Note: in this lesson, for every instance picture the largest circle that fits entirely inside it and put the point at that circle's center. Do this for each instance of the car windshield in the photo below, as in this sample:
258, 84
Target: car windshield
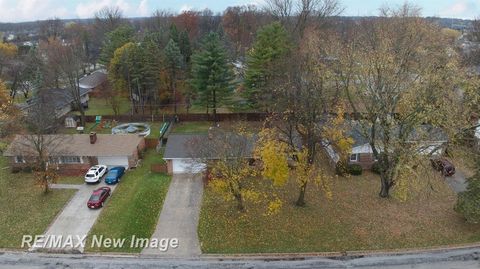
112, 173
90, 175
95, 197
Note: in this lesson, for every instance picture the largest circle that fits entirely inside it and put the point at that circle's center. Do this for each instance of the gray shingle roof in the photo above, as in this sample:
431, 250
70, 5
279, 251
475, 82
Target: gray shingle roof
422, 133
107, 145
186, 146
93, 80
58, 97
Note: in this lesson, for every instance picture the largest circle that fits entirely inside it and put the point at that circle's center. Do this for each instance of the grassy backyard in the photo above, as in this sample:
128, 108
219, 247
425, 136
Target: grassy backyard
25, 209
98, 106
192, 127
356, 219
135, 205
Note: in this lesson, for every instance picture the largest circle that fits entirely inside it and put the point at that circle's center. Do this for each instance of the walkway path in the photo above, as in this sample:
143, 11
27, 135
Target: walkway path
458, 181
179, 217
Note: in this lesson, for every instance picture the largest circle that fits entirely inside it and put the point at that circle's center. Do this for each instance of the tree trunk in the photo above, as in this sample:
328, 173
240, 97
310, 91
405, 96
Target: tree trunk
301, 196
240, 205
214, 107
385, 188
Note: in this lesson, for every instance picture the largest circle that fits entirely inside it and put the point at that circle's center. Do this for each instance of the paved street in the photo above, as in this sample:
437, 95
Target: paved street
451, 259
75, 219
179, 216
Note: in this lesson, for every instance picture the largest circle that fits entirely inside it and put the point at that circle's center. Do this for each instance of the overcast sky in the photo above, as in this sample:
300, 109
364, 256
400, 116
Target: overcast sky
31, 10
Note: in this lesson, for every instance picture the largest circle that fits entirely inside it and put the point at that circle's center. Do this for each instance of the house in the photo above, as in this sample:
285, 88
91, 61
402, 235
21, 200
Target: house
427, 140
61, 99
189, 153
75, 154
94, 82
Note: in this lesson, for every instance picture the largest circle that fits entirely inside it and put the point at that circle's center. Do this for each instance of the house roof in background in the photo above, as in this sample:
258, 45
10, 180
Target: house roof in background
422, 133
93, 80
107, 145
56, 96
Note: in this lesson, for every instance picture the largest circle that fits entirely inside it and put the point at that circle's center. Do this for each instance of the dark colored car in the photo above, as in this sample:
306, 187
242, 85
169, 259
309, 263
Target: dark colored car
114, 175
98, 197
444, 166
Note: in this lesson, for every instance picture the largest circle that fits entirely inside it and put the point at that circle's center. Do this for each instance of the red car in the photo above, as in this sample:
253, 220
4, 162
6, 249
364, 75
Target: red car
444, 166
98, 197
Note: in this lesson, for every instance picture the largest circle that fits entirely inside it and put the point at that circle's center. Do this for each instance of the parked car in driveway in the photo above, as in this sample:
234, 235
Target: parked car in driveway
95, 173
444, 166
98, 197
114, 174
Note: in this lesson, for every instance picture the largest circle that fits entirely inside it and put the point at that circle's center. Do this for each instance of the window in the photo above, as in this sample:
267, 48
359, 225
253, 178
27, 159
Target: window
70, 159
19, 159
354, 157
53, 160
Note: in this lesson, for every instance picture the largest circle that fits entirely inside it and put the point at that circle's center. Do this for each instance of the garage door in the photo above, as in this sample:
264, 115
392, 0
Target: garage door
114, 161
187, 166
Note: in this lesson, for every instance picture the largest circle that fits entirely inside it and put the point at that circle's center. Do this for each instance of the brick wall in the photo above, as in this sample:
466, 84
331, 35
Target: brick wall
77, 169
366, 161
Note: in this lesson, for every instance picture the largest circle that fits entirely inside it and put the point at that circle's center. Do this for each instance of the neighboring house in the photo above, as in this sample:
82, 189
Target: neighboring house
188, 153
94, 82
75, 154
428, 140
61, 99
477, 135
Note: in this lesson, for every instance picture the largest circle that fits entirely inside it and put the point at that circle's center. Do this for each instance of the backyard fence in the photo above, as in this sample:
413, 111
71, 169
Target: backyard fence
183, 117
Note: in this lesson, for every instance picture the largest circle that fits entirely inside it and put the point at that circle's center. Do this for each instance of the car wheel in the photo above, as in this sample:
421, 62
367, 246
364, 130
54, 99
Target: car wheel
102, 204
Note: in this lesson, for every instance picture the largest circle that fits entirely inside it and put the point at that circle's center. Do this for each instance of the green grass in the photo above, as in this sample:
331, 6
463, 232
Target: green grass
25, 209
192, 127
356, 219
134, 207
98, 106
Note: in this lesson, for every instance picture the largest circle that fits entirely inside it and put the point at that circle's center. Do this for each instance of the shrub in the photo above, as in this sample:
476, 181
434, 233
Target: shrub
3, 146
341, 168
468, 202
376, 168
355, 169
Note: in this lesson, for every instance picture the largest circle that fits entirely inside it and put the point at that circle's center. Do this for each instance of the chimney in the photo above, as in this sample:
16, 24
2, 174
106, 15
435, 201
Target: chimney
93, 137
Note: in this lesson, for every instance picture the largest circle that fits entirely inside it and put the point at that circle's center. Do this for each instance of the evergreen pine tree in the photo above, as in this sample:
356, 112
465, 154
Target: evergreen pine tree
212, 76
173, 60
270, 46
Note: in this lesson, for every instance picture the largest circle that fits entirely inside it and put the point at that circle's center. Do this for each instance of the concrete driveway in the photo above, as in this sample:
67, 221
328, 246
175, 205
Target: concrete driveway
179, 217
458, 181
75, 220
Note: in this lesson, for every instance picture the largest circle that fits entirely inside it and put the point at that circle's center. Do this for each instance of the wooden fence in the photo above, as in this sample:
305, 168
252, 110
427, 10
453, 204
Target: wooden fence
158, 168
183, 117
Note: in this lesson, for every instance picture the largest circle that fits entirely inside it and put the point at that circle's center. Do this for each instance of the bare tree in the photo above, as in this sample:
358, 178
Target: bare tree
399, 73
71, 65
298, 15
305, 97
51, 29
40, 144
108, 19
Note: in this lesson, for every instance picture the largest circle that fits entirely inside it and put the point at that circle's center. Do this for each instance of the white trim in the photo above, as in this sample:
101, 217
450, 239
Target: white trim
17, 159
357, 157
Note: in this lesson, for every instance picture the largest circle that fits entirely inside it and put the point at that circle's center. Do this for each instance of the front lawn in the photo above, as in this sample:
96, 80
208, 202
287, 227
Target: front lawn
134, 207
356, 219
25, 209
